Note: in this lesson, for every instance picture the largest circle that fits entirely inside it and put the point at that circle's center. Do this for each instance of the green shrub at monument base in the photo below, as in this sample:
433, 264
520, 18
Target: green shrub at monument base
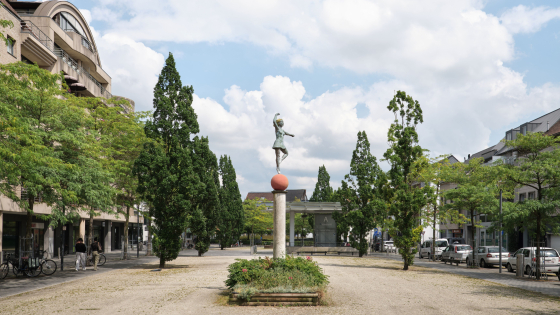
284, 275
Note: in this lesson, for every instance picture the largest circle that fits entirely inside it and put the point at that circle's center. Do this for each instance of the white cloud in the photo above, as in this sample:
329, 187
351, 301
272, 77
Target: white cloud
522, 19
325, 127
133, 67
449, 55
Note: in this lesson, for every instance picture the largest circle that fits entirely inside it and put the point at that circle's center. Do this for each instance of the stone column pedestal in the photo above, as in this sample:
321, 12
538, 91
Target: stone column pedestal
279, 249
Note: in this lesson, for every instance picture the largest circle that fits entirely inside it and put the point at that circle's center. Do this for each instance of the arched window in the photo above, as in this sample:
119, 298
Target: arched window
69, 23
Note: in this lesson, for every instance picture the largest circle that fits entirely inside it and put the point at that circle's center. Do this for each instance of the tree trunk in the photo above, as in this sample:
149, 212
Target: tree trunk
435, 222
90, 234
28, 242
538, 254
405, 264
161, 263
472, 236
126, 217
149, 240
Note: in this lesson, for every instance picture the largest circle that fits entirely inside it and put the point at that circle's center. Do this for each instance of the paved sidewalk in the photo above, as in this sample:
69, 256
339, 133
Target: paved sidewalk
12, 285
550, 287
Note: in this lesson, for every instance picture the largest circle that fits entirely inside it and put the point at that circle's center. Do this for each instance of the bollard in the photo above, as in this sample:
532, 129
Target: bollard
59, 253
520, 266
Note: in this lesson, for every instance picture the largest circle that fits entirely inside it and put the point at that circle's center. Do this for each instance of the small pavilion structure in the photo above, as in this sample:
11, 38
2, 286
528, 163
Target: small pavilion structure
324, 230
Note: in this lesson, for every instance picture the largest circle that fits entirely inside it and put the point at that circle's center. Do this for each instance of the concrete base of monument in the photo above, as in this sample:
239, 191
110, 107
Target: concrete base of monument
310, 250
277, 299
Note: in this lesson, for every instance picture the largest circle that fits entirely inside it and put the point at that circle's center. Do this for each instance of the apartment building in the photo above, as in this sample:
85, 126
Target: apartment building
55, 36
548, 124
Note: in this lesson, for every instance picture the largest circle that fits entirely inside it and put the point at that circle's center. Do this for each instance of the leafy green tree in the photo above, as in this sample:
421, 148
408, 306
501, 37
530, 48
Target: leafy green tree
199, 227
360, 195
119, 135
37, 124
476, 192
165, 170
323, 190
231, 219
407, 197
204, 221
257, 220
436, 173
537, 166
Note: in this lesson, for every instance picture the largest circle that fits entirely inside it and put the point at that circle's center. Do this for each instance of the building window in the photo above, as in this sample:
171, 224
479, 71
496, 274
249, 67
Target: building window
522, 197
11, 44
531, 195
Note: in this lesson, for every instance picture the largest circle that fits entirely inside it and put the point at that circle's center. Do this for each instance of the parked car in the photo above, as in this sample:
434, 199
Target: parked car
426, 248
487, 256
456, 253
388, 245
549, 257
456, 240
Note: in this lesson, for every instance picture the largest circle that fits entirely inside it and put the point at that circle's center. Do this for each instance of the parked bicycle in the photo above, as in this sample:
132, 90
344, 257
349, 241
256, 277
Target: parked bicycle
101, 262
29, 267
48, 266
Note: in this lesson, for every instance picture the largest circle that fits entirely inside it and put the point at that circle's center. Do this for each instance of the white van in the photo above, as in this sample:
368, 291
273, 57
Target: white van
426, 248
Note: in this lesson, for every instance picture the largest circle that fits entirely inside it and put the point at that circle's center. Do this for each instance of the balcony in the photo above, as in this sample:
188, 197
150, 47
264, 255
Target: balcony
95, 88
36, 45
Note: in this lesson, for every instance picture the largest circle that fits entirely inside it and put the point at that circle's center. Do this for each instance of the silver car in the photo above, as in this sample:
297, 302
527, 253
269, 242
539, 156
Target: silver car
487, 256
456, 253
550, 260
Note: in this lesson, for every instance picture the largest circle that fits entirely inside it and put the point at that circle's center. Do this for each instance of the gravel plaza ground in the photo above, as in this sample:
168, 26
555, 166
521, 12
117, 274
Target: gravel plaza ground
195, 285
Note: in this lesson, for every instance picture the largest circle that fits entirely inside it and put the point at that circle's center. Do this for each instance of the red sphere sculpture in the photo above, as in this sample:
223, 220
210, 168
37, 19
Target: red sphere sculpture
279, 182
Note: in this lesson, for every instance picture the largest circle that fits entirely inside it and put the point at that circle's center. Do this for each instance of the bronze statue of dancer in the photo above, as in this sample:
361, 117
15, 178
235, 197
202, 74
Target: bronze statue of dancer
279, 143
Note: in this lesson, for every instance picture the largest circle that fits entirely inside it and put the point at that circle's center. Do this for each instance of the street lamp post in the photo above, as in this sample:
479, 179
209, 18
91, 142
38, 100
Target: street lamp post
138, 233
500, 236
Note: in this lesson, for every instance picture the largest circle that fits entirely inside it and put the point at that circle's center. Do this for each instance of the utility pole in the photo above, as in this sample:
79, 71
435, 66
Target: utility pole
138, 233
63, 240
500, 236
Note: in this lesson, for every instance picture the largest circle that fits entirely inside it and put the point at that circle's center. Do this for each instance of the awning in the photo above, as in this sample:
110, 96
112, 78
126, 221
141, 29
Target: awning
70, 79
77, 87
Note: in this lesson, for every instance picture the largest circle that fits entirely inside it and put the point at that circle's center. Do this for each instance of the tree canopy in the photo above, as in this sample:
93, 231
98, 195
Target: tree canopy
407, 196
360, 195
165, 167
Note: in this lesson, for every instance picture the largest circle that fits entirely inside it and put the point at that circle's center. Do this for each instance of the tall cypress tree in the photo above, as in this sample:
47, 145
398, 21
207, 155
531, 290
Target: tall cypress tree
361, 195
323, 190
232, 217
166, 176
203, 222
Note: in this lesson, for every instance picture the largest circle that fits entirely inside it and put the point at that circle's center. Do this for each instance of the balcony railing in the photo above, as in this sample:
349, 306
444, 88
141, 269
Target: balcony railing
80, 70
30, 28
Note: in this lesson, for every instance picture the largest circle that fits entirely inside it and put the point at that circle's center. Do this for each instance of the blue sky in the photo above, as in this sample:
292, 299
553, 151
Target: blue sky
490, 72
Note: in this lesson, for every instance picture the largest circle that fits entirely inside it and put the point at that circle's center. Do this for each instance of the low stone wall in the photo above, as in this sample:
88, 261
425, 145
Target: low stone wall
272, 299
321, 250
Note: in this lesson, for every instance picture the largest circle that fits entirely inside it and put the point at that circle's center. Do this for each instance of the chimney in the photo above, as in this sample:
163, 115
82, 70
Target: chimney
547, 126
469, 156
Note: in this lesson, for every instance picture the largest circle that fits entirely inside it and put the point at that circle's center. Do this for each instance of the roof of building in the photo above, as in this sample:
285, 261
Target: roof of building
301, 194
554, 129
9, 7
540, 124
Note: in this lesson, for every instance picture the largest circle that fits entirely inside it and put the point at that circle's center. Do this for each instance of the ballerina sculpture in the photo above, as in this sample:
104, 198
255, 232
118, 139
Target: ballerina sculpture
279, 146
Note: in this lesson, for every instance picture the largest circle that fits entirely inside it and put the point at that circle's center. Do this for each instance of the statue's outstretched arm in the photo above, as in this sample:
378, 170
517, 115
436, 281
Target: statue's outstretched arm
274, 120
288, 134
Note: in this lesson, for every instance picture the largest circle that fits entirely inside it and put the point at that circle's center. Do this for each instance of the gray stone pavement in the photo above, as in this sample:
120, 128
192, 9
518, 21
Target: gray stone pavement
549, 287
12, 285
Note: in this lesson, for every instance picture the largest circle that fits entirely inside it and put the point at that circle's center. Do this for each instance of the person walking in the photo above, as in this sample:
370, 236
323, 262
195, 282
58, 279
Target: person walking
80, 254
95, 249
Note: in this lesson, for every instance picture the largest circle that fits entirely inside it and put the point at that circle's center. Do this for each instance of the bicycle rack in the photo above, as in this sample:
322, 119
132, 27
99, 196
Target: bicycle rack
32, 261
